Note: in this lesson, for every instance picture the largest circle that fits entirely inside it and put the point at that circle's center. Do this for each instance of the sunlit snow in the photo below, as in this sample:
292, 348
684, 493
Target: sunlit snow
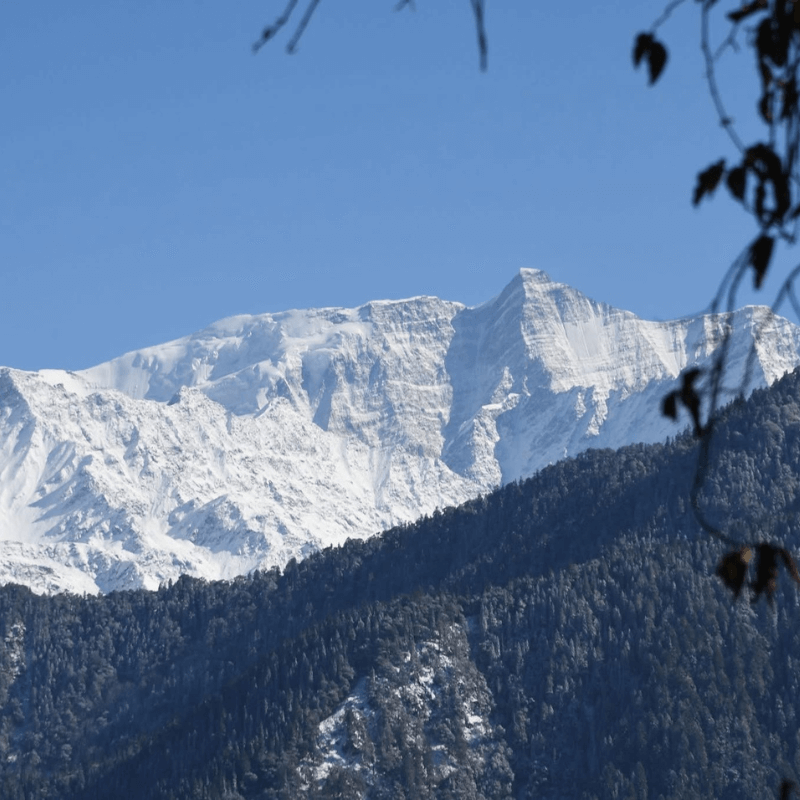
263, 438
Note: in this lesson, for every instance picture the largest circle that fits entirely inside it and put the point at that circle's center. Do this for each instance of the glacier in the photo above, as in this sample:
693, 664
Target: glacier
263, 438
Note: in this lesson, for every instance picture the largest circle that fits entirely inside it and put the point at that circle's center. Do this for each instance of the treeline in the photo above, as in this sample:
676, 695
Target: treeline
564, 636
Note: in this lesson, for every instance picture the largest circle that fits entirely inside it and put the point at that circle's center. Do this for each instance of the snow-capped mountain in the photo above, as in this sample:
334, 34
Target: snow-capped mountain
263, 438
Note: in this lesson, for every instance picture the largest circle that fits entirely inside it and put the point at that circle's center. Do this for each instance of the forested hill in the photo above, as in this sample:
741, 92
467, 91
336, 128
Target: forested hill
562, 637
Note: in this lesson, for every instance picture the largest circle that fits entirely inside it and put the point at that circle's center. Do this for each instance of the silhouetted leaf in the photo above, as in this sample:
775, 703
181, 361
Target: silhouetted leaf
647, 46
765, 107
708, 180
788, 562
747, 10
783, 198
690, 376
766, 74
786, 789
764, 158
688, 397
772, 42
737, 178
691, 399
760, 201
766, 580
669, 406
766, 163
657, 59
760, 254
733, 569
644, 41
790, 98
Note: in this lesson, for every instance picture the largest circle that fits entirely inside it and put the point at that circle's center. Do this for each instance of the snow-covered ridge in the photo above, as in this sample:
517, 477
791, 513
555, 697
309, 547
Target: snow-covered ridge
264, 437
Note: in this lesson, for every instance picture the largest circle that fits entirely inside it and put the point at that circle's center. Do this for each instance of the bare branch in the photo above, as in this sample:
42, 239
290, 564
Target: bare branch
477, 8
711, 77
270, 31
787, 291
666, 13
728, 41
311, 8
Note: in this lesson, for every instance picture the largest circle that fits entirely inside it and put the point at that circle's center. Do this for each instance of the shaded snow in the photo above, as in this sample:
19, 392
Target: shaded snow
263, 438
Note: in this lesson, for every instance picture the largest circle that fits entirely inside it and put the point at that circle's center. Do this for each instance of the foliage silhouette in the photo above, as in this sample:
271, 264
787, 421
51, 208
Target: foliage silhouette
765, 182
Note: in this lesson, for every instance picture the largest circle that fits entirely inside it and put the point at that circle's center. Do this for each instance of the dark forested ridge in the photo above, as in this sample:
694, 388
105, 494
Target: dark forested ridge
562, 637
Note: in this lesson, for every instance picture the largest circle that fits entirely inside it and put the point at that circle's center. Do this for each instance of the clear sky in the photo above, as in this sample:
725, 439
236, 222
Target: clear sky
156, 175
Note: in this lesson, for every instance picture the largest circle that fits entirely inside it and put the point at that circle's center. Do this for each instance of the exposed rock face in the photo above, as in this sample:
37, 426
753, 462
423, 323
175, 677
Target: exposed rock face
264, 437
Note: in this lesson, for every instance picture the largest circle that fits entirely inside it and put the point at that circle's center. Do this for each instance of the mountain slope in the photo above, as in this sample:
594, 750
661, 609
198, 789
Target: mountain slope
263, 438
564, 636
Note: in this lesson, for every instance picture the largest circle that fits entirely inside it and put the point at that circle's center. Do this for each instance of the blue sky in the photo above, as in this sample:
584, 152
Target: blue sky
156, 175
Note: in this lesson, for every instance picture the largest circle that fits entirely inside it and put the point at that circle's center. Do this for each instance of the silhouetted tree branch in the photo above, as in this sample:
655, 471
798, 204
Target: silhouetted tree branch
764, 180
478, 10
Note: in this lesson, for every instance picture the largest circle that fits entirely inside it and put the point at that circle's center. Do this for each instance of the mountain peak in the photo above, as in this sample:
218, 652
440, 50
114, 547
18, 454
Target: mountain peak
530, 277
263, 438
529, 282
541, 298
